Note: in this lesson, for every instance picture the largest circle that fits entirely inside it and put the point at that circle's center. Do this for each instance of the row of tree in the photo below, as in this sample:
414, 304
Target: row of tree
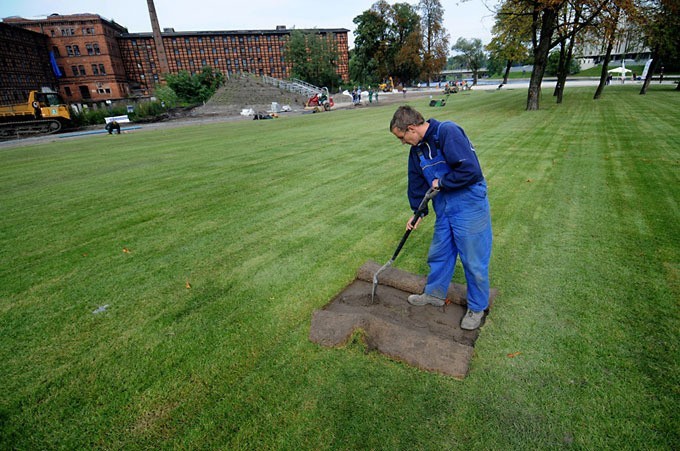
410, 43
537, 27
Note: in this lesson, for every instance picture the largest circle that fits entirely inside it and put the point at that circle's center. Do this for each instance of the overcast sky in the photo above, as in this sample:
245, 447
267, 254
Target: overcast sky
467, 19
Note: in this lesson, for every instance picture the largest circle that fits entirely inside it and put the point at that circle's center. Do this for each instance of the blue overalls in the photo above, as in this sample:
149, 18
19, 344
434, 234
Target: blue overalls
462, 228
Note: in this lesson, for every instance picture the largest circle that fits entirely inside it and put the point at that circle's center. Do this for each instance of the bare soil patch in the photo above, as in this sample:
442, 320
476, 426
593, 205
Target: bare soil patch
426, 337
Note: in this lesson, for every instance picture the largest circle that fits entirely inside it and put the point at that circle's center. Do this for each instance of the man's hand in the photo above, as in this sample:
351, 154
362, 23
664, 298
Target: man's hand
435, 184
415, 226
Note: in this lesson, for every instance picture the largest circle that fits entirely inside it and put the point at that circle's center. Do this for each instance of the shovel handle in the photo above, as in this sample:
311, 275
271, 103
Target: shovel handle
420, 212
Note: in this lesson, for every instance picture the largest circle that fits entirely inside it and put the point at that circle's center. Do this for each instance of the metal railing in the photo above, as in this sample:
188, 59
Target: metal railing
293, 85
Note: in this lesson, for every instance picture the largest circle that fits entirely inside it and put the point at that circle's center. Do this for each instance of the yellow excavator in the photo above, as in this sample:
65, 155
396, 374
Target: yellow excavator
44, 112
387, 86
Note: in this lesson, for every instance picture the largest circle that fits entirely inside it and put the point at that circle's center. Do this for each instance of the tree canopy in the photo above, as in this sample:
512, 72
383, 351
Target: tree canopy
195, 88
313, 57
395, 41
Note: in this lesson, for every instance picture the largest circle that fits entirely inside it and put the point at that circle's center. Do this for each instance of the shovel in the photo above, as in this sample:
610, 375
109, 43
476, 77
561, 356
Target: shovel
417, 215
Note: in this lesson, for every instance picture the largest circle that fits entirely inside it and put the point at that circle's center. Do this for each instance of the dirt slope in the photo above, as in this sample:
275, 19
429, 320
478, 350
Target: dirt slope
247, 91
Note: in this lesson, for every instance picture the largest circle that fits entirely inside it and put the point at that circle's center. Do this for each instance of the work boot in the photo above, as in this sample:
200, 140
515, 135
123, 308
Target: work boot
471, 320
424, 299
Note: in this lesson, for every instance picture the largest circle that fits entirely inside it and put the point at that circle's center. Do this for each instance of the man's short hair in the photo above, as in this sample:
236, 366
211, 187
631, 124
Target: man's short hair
405, 116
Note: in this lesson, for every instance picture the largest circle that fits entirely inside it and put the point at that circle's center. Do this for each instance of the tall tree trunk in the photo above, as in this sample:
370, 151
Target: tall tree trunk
548, 19
563, 80
652, 69
507, 72
560, 68
566, 64
611, 34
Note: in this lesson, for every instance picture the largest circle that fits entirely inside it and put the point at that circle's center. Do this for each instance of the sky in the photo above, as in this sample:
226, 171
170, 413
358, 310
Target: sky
462, 18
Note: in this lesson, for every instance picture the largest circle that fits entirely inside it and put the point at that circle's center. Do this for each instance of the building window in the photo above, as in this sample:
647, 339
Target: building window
102, 69
67, 91
69, 50
81, 68
95, 71
52, 33
90, 50
96, 49
76, 50
55, 49
75, 70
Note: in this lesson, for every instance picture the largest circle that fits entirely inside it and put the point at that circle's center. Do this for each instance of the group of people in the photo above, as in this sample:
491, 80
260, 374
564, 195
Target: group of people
356, 95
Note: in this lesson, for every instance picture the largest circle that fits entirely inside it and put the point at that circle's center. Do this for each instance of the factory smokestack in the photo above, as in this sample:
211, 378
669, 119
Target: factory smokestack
158, 39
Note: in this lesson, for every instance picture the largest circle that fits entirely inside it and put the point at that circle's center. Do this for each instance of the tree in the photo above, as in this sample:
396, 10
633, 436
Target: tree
511, 36
435, 38
555, 62
608, 24
471, 54
387, 43
369, 36
407, 41
313, 57
195, 88
545, 15
660, 20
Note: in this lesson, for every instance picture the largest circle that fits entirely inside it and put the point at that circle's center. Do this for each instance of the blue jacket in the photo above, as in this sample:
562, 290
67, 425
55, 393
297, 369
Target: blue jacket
449, 138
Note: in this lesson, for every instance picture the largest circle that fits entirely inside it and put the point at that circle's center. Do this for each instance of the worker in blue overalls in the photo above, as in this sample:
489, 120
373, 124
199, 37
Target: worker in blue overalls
443, 158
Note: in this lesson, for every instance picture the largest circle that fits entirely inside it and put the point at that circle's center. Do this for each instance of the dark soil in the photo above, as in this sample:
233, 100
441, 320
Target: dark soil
427, 337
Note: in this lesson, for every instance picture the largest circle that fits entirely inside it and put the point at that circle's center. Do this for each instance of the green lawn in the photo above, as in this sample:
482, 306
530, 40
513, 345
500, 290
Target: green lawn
268, 220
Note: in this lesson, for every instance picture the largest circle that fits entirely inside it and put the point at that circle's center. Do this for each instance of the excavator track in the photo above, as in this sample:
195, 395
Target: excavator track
9, 130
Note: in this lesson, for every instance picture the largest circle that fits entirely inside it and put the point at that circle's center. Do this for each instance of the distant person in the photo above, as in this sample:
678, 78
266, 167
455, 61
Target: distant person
111, 126
442, 157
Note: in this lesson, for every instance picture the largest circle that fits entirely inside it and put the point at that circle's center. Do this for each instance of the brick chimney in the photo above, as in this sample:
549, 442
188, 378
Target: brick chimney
158, 39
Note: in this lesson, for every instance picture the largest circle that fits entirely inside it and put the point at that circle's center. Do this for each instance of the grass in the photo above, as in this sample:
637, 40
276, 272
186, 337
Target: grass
212, 245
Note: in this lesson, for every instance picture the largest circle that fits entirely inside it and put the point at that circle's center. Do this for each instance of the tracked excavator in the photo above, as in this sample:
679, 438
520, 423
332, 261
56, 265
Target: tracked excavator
43, 113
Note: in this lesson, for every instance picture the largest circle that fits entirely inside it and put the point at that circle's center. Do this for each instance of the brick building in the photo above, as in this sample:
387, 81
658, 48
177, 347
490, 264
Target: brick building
86, 51
259, 52
99, 60
25, 60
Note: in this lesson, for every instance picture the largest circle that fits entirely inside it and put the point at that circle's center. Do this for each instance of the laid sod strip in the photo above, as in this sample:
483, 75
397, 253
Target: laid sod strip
157, 287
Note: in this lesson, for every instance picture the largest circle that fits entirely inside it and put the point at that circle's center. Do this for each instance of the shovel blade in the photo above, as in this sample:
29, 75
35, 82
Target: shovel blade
375, 279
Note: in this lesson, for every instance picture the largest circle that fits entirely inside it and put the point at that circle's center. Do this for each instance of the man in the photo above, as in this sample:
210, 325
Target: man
442, 157
111, 126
